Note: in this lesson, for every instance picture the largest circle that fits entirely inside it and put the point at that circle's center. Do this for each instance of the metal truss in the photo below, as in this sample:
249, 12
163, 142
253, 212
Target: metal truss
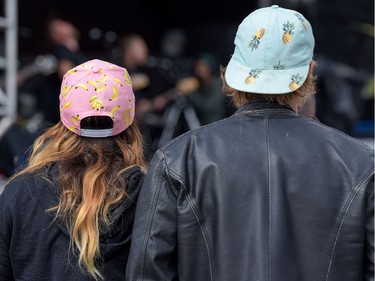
8, 64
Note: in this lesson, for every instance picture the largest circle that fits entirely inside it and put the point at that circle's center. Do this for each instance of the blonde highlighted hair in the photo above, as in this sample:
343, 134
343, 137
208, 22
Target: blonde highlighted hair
299, 96
90, 176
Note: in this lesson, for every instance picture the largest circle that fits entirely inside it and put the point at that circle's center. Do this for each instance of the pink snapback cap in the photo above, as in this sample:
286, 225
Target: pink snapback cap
97, 88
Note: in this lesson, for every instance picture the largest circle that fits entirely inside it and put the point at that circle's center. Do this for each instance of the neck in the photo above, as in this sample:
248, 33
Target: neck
71, 44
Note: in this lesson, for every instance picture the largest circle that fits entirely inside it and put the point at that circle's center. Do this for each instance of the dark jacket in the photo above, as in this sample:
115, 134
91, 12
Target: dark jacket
264, 195
34, 246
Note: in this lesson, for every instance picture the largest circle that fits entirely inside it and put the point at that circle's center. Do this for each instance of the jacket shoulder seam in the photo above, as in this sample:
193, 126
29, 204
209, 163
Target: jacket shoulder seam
150, 215
342, 216
197, 216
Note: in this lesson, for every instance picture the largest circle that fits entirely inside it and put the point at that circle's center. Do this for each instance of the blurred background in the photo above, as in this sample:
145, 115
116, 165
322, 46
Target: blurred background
175, 65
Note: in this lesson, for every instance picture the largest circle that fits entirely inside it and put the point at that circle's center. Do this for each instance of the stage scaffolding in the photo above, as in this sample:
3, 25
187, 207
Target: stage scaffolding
8, 64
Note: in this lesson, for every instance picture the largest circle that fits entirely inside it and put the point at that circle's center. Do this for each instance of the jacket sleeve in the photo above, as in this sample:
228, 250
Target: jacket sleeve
369, 263
6, 272
153, 248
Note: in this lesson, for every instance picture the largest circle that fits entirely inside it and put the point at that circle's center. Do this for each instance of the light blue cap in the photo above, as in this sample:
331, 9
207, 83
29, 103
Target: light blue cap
273, 49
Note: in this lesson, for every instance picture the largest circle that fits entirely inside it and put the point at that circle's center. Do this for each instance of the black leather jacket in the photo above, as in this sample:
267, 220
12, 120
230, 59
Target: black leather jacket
264, 195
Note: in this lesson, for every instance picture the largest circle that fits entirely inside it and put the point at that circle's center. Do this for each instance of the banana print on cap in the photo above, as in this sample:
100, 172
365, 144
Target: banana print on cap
83, 86
103, 79
92, 83
127, 77
118, 81
75, 118
115, 93
101, 88
97, 88
113, 111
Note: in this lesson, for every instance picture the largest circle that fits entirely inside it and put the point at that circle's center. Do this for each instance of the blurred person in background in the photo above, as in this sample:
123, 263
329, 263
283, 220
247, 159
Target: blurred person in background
69, 213
135, 54
173, 60
38, 83
153, 87
208, 100
63, 38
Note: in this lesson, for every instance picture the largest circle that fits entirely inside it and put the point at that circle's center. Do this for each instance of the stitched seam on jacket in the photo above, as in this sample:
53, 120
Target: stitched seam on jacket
345, 212
269, 197
195, 212
287, 112
150, 219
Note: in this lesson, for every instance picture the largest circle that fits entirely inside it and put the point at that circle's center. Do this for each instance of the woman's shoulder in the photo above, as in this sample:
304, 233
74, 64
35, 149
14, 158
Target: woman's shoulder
18, 184
14, 191
134, 175
134, 178
23, 187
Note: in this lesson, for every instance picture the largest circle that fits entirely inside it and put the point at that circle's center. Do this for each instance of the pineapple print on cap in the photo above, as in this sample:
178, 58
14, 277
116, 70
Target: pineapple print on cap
288, 32
279, 66
253, 75
296, 82
302, 21
254, 43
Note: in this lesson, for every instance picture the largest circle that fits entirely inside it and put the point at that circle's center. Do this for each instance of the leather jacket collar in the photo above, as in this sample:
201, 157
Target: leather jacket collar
263, 106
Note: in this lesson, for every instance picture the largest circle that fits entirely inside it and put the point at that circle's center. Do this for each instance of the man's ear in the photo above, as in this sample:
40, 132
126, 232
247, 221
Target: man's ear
312, 67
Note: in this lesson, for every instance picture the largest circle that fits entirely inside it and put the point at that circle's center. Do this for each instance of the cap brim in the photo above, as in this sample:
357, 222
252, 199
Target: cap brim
272, 81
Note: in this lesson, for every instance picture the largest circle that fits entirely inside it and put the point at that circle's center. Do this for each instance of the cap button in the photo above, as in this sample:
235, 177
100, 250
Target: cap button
275, 6
95, 69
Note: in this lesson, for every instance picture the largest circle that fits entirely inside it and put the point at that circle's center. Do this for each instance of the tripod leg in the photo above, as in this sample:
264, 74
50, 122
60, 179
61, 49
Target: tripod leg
181, 105
191, 117
170, 124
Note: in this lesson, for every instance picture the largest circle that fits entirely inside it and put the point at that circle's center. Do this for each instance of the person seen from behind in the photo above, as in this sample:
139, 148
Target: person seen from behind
64, 38
65, 53
208, 101
69, 213
148, 86
135, 56
265, 194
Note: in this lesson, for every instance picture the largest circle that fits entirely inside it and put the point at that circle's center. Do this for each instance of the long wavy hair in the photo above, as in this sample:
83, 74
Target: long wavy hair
299, 96
90, 176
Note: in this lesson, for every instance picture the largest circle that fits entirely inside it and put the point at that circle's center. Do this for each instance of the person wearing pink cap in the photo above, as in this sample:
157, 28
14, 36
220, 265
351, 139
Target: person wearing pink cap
68, 214
265, 194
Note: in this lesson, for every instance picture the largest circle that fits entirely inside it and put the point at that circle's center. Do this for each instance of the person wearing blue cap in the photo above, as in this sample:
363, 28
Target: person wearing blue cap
265, 194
